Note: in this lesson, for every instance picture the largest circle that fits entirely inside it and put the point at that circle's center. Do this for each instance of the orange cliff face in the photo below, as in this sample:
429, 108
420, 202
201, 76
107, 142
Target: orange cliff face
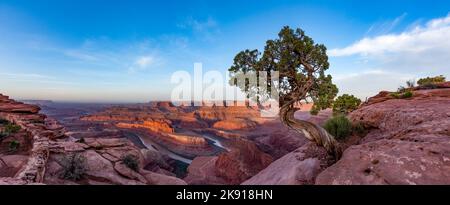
186, 140
235, 124
152, 125
222, 113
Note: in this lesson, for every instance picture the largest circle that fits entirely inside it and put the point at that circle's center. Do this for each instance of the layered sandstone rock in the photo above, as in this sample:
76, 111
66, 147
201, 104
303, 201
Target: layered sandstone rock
152, 125
232, 167
190, 122
202, 171
299, 167
243, 162
104, 163
27, 117
235, 124
217, 113
10, 106
409, 142
186, 140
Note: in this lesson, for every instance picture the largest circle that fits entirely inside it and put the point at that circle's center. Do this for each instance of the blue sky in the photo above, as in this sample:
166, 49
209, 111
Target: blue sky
126, 51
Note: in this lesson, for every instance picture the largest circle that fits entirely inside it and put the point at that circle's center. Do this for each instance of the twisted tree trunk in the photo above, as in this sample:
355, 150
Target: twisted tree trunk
312, 132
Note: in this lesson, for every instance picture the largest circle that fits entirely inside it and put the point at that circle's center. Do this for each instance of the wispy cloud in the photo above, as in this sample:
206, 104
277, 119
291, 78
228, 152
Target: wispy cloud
80, 55
24, 75
32, 77
205, 29
134, 56
145, 62
384, 27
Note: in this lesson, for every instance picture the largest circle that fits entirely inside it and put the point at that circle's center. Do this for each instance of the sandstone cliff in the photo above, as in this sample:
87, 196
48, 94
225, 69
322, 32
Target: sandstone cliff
152, 125
408, 142
233, 167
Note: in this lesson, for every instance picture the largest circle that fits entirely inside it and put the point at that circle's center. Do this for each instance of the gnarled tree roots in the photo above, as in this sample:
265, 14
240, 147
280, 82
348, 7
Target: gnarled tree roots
312, 132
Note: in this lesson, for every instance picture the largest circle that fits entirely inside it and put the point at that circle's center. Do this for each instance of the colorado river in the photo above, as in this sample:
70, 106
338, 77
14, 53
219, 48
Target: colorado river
215, 141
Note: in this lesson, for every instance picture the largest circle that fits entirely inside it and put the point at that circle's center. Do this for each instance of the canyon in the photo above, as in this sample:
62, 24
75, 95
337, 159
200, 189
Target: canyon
406, 141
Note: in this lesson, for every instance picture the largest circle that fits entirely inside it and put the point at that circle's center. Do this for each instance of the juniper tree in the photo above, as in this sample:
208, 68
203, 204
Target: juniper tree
301, 66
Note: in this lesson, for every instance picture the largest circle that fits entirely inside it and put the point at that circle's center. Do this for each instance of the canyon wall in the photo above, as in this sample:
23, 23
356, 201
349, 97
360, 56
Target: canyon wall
152, 125
28, 118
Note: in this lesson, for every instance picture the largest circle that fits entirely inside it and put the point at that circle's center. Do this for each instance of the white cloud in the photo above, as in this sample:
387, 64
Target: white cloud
433, 36
419, 51
145, 61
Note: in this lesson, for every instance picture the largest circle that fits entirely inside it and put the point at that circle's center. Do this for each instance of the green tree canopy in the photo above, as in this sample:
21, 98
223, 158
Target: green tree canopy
345, 104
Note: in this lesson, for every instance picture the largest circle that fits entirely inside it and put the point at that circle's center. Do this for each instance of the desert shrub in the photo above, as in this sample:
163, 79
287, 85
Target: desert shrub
411, 83
74, 167
339, 126
431, 80
11, 128
407, 94
359, 129
314, 111
345, 104
401, 89
14, 146
131, 161
402, 95
395, 95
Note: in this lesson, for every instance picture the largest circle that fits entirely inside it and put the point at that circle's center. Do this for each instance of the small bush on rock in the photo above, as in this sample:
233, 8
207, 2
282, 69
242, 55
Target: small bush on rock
359, 129
431, 80
407, 94
11, 128
14, 146
74, 167
410, 84
402, 95
339, 126
345, 104
8, 129
131, 162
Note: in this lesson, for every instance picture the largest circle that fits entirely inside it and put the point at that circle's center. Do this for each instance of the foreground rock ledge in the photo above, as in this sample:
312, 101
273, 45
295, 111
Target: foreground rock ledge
103, 155
409, 142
